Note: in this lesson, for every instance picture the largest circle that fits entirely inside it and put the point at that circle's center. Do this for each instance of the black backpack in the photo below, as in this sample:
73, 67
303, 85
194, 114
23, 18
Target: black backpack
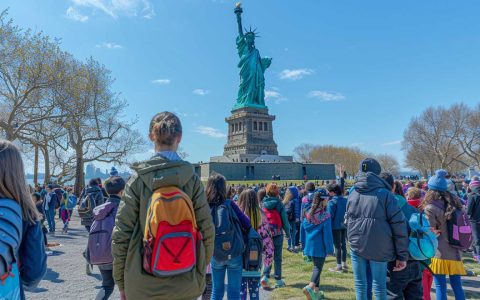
228, 232
85, 209
252, 257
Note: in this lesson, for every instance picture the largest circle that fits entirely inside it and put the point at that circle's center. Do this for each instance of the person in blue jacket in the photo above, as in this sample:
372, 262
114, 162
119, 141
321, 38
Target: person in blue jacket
318, 240
29, 250
337, 206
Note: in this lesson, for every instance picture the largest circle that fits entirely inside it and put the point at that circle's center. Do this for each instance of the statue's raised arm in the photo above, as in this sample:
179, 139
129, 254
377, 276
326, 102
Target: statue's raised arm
238, 11
251, 92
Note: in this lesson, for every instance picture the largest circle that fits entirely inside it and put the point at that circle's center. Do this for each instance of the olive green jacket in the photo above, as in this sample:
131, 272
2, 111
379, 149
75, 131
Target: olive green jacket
129, 227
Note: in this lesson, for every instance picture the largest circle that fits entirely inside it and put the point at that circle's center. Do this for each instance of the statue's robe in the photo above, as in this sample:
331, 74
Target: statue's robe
252, 80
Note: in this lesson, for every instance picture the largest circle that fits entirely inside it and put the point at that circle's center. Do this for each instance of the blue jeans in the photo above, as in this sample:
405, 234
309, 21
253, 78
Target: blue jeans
293, 235
360, 274
50, 215
233, 268
441, 286
277, 258
253, 285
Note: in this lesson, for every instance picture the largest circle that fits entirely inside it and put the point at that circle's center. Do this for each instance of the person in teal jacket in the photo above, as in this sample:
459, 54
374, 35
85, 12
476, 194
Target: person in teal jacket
278, 221
318, 240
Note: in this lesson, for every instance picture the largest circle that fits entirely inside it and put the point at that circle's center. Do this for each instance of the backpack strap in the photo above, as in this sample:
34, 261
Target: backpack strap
426, 266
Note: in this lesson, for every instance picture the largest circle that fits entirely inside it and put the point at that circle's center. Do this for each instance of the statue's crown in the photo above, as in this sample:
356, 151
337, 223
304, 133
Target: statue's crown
250, 31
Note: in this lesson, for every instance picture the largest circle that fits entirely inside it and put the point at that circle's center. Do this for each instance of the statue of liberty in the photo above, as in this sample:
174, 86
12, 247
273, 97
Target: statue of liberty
251, 92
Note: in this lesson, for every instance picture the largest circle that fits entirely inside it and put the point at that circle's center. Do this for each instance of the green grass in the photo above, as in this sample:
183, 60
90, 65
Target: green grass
297, 274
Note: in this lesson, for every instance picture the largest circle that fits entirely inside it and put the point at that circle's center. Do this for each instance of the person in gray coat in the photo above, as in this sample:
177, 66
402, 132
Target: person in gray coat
376, 230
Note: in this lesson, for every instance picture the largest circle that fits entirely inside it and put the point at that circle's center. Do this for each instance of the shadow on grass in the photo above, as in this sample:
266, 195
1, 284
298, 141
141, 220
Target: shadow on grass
323, 287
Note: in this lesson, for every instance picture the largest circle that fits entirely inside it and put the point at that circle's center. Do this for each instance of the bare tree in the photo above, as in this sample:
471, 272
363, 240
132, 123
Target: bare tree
98, 133
303, 153
29, 64
389, 163
469, 138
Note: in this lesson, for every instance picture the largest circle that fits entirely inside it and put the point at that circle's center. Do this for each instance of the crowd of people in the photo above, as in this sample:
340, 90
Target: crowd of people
161, 234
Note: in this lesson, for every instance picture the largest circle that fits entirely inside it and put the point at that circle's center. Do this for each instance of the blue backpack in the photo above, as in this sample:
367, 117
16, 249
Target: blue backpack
10, 239
423, 242
228, 232
71, 202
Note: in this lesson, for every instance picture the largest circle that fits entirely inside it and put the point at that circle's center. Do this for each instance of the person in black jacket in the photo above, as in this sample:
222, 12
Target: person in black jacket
473, 212
407, 283
376, 230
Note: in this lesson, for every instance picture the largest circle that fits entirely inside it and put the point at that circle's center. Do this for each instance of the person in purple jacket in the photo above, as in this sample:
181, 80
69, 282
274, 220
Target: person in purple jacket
233, 266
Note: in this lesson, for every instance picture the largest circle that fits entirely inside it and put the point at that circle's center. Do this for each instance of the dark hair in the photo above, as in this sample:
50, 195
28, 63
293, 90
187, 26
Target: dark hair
451, 202
335, 188
114, 185
93, 182
230, 192
398, 188
216, 189
37, 196
262, 193
388, 178
310, 186
316, 202
165, 127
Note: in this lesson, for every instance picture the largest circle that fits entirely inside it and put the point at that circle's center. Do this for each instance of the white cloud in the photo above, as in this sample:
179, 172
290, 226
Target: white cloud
210, 131
326, 96
295, 74
75, 15
398, 142
116, 8
274, 95
109, 45
164, 81
201, 92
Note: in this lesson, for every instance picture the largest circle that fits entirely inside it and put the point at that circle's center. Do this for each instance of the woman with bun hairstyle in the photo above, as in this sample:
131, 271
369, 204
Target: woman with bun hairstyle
165, 168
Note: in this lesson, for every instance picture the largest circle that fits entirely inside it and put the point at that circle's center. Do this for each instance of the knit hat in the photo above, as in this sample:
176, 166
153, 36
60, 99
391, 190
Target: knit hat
370, 165
113, 172
474, 184
438, 182
114, 185
294, 191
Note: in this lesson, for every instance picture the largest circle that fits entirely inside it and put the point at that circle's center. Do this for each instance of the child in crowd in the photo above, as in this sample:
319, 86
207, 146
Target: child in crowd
114, 186
249, 205
337, 206
439, 205
233, 265
318, 241
292, 206
278, 222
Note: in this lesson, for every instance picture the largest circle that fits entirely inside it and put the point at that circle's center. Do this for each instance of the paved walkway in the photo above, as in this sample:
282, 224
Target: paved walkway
66, 278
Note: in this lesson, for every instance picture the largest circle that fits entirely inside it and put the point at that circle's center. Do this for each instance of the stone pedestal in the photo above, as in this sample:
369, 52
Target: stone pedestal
250, 134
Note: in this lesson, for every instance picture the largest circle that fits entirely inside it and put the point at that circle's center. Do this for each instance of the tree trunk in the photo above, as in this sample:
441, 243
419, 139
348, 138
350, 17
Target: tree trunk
35, 166
46, 159
79, 174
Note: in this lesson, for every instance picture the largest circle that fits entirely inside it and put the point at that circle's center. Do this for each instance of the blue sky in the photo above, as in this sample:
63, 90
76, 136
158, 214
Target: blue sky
348, 73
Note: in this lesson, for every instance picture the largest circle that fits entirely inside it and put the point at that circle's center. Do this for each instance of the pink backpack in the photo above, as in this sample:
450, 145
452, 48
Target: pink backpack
459, 229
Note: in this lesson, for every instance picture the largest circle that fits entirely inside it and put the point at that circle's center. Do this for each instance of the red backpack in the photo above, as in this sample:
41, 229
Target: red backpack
274, 221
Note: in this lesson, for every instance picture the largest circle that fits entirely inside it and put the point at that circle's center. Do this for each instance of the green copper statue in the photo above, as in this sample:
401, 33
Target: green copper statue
251, 92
